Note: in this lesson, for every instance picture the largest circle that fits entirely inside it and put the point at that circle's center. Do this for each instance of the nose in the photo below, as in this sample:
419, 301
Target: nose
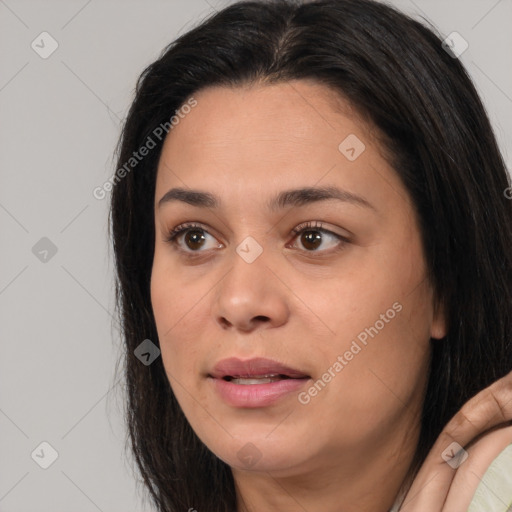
251, 296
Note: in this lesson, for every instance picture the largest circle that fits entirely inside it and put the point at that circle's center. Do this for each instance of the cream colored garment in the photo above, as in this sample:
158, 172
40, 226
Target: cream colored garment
494, 492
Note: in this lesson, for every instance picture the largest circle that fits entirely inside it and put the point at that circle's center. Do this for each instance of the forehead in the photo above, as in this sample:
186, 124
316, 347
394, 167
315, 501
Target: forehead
299, 111
255, 138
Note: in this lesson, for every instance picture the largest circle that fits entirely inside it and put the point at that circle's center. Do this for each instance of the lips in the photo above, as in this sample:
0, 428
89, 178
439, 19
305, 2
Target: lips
255, 383
267, 370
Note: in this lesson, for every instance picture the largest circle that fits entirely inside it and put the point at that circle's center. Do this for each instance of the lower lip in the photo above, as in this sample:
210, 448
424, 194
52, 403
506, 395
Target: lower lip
256, 395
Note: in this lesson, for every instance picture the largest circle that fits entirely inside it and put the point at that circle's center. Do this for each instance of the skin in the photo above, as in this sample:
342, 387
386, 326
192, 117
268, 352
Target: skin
354, 441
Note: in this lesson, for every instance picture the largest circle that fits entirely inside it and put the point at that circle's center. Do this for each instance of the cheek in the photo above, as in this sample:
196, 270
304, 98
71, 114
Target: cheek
170, 303
383, 372
376, 293
380, 314
171, 293
385, 335
181, 310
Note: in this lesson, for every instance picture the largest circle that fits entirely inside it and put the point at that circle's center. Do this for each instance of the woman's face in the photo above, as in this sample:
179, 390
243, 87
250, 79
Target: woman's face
343, 305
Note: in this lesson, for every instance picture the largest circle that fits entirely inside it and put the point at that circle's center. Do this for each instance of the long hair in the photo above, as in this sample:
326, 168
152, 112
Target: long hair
437, 136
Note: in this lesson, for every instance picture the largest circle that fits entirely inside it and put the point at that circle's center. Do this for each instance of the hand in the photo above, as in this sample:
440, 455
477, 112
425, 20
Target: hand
483, 427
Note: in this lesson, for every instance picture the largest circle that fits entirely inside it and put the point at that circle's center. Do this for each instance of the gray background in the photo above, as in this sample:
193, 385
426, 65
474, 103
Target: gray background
60, 119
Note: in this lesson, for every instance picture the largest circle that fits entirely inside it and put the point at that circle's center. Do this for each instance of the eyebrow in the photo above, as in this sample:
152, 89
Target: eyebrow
293, 197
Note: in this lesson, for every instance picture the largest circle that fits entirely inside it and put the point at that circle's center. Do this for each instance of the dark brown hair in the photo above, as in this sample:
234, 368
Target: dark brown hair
396, 74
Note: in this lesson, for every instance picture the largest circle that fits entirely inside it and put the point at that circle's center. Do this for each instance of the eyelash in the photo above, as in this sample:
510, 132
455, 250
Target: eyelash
306, 226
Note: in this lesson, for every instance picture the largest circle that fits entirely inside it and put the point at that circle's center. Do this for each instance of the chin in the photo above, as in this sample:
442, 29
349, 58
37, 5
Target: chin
259, 453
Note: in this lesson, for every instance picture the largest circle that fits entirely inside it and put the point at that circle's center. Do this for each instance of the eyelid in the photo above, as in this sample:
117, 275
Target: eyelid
182, 228
320, 226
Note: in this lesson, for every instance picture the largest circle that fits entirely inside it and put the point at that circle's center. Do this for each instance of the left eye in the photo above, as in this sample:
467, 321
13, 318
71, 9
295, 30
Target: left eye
312, 236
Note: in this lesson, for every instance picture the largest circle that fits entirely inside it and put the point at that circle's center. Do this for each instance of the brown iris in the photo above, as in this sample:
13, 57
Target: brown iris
195, 237
311, 237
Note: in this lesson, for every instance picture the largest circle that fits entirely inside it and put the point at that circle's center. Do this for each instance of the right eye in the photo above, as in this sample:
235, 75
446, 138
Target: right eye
193, 235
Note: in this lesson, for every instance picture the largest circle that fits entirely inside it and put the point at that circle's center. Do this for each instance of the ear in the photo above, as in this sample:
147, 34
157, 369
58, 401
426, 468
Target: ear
439, 327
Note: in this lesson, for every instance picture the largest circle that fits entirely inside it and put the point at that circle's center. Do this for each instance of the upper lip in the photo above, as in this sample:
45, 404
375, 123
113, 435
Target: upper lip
234, 367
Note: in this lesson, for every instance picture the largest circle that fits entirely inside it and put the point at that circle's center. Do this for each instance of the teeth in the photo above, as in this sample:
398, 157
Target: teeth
264, 379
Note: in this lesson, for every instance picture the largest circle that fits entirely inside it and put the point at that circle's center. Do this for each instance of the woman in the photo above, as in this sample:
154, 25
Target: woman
310, 226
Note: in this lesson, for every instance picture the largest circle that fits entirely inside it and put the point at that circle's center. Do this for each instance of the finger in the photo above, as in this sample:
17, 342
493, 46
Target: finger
489, 408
